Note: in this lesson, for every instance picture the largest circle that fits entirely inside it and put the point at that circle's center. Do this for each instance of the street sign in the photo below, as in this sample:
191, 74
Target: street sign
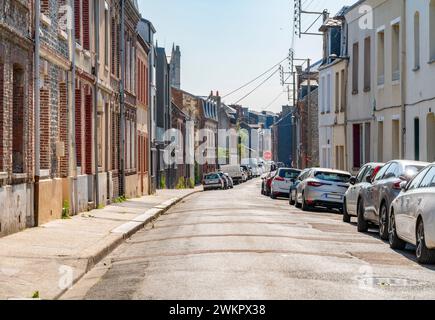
267, 155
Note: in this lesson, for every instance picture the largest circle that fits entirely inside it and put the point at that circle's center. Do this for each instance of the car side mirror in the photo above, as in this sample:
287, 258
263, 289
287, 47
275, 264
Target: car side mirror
369, 179
352, 181
404, 185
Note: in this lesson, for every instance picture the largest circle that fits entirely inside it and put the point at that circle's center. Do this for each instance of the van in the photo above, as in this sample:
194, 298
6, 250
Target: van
235, 172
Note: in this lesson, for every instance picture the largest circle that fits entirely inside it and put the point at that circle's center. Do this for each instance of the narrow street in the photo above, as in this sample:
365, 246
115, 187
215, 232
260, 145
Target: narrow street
237, 243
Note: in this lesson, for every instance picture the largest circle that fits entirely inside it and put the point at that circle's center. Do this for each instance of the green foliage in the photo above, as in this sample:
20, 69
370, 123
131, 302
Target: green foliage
191, 183
181, 184
65, 210
198, 178
120, 199
163, 182
35, 295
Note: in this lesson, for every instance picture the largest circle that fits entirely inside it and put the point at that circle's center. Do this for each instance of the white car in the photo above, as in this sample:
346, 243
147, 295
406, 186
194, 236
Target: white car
235, 172
412, 216
283, 181
322, 188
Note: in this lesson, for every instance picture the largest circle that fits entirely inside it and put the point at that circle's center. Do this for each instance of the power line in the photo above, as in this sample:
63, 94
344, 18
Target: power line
273, 101
257, 87
250, 82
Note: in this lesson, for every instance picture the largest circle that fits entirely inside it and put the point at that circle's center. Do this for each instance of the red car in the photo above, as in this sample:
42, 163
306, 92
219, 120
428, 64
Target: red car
267, 183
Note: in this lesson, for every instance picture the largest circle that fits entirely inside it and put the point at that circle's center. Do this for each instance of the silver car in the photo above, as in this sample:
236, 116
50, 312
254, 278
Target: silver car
213, 181
352, 197
412, 216
322, 188
282, 182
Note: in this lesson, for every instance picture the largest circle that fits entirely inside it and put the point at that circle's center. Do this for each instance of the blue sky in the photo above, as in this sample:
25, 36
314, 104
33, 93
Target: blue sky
226, 43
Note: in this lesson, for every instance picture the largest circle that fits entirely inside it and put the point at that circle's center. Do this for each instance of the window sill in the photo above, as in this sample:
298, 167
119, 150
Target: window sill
45, 20
416, 69
19, 176
3, 175
432, 61
355, 92
63, 35
395, 82
381, 86
367, 89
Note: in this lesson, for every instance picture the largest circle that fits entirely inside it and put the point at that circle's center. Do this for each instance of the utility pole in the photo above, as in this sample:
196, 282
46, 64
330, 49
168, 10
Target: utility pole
96, 70
308, 93
122, 104
72, 163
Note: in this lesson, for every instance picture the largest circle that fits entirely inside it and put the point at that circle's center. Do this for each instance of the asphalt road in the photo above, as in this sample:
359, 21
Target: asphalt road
237, 244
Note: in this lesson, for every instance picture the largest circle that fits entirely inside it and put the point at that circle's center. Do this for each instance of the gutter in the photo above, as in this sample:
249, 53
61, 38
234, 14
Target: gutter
37, 110
122, 104
403, 78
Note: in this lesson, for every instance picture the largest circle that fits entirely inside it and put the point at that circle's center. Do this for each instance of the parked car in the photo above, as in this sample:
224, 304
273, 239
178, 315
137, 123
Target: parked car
235, 172
293, 187
248, 171
322, 188
283, 180
212, 181
412, 216
363, 179
376, 198
267, 183
230, 181
225, 180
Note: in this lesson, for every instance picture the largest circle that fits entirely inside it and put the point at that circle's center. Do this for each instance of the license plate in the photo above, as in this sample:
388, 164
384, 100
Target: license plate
333, 196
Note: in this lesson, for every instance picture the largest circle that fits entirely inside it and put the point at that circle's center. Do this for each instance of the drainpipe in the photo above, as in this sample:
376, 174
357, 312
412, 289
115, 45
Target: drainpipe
403, 78
72, 165
97, 66
122, 103
37, 116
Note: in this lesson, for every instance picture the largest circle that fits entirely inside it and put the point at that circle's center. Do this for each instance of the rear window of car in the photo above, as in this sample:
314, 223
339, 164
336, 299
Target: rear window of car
332, 176
289, 174
212, 177
411, 171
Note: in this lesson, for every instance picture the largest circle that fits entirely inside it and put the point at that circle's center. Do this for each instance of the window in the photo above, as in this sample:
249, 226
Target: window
343, 91
395, 53
417, 139
77, 21
328, 94
106, 33
18, 119
417, 41
85, 24
393, 171
414, 184
337, 92
367, 64
380, 141
381, 58
357, 144
382, 172
355, 68
429, 179
396, 139
432, 30
45, 7
362, 174
430, 122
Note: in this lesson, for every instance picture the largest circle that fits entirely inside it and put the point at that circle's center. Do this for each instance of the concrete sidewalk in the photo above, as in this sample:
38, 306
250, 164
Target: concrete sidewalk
49, 258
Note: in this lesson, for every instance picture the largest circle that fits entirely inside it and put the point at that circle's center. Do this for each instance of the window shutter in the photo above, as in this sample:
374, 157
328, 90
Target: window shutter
86, 42
77, 20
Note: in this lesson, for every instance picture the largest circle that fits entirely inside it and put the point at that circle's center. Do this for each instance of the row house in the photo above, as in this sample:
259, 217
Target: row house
390, 110
420, 78
332, 93
16, 116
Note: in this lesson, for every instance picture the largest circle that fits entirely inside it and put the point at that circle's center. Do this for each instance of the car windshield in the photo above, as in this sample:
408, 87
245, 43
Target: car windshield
411, 171
212, 177
332, 176
289, 174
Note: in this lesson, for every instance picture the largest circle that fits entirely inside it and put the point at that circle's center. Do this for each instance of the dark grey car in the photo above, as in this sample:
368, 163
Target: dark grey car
376, 198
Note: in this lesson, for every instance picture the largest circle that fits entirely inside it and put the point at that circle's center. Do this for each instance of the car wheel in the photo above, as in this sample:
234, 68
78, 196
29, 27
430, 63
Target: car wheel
305, 206
362, 224
297, 204
424, 255
291, 201
383, 222
273, 196
395, 242
346, 216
